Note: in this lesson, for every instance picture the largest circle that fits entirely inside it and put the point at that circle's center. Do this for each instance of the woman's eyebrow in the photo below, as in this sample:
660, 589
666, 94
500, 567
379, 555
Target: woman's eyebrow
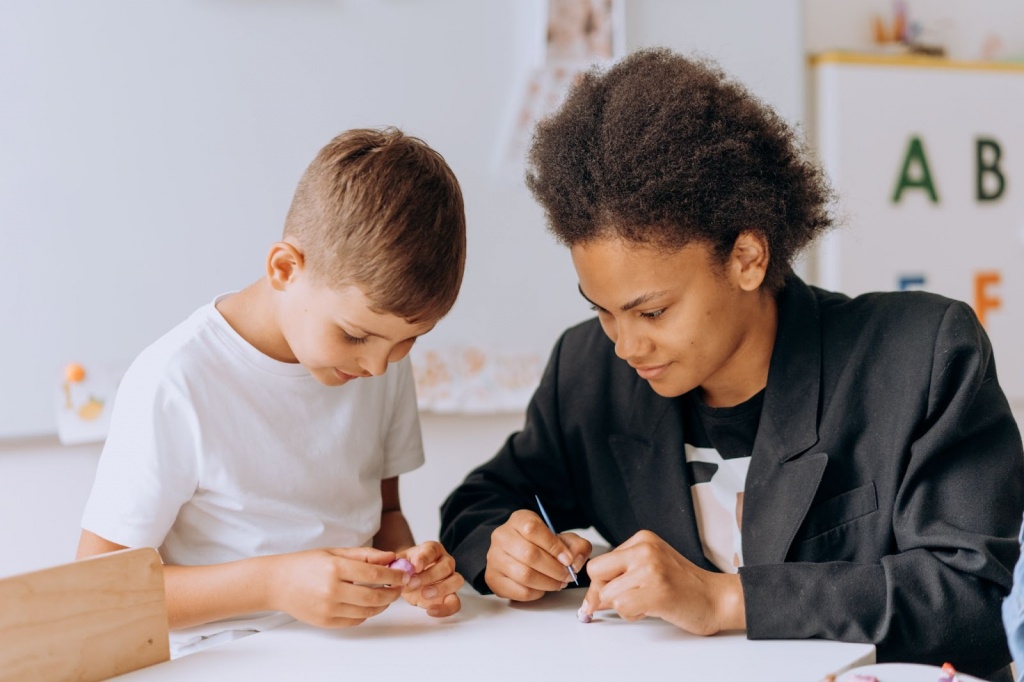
639, 300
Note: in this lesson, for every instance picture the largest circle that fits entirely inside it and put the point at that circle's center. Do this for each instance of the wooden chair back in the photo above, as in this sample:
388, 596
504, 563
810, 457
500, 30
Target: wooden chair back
87, 620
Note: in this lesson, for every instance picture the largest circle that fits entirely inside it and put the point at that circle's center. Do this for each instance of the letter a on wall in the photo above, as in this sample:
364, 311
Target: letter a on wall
923, 180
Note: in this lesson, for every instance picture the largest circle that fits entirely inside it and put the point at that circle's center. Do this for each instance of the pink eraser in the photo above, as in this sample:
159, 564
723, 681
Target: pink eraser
403, 565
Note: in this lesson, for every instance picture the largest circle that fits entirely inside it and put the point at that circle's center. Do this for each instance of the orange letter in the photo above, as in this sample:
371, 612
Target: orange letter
982, 301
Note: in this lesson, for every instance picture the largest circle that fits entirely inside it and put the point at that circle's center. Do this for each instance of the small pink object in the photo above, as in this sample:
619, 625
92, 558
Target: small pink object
403, 565
582, 616
865, 678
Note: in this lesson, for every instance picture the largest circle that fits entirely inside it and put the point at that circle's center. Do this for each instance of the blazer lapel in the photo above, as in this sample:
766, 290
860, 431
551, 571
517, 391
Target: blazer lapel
654, 472
782, 480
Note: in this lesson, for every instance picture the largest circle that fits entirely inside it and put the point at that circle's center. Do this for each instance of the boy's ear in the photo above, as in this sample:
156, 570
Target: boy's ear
284, 262
748, 263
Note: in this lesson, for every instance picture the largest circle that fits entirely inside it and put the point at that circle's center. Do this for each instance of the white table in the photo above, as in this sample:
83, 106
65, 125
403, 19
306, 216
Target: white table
493, 639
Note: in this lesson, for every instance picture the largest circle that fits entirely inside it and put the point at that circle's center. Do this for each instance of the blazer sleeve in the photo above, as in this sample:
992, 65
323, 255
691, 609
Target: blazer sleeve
531, 462
937, 596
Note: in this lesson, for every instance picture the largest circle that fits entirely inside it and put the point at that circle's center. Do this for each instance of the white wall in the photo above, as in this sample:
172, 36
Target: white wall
150, 151
149, 155
43, 489
760, 43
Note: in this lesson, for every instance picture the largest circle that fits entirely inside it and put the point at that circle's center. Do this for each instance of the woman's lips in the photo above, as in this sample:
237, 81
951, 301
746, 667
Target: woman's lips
649, 372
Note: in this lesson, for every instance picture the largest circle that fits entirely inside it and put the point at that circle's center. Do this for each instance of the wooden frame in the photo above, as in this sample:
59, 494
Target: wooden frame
87, 620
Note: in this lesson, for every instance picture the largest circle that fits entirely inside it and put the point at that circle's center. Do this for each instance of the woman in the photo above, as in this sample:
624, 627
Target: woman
762, 455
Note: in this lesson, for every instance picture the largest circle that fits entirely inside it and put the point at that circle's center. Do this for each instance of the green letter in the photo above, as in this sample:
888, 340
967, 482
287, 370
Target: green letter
992, 168
915, 152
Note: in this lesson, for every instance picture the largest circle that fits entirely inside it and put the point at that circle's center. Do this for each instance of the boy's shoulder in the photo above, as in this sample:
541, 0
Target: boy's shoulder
189, 349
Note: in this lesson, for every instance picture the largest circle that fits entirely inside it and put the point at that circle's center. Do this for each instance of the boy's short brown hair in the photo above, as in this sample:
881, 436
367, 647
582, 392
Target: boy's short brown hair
382, 210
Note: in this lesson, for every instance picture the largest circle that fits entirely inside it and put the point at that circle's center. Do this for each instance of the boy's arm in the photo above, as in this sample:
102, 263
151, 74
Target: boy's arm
90, 544
189, 588
394, 534
325, 587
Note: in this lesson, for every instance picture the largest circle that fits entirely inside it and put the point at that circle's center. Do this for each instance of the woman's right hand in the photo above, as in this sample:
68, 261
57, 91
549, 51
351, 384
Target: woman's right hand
525, 559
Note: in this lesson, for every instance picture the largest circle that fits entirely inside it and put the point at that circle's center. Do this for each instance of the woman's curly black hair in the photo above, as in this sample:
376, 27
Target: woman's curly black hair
665, 150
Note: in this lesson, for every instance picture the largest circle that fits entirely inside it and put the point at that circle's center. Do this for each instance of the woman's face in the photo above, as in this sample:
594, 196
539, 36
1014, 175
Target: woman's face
681, 318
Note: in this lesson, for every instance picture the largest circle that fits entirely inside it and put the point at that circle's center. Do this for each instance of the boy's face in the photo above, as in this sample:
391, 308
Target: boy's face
336, 335
680, 318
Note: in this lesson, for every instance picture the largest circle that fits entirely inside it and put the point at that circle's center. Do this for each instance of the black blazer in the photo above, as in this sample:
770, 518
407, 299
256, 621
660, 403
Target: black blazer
885, 487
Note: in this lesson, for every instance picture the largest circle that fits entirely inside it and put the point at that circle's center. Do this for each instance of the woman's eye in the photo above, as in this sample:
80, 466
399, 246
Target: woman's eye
653, 314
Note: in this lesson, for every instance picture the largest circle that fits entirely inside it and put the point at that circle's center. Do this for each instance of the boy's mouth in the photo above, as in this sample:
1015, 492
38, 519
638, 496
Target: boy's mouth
343, 376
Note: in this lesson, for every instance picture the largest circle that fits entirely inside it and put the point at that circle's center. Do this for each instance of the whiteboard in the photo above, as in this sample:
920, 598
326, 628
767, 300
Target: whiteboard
867, 112
150, 150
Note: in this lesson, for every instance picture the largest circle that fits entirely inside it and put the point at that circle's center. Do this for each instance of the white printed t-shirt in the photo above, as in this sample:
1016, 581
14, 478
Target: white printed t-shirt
217, 452
718, 446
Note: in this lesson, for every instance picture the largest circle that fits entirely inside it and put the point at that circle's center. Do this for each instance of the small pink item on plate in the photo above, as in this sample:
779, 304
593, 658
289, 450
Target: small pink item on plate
403, 565
582, 616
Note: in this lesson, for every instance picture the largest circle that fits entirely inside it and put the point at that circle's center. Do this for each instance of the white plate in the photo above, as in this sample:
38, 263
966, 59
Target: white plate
901, 672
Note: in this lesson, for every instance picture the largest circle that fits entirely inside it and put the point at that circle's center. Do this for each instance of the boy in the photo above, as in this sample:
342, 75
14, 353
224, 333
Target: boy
763, 455
258, 444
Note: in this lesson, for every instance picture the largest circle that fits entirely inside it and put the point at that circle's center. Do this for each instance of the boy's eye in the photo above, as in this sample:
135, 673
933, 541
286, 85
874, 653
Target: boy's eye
596, 308
653, 314
353, 339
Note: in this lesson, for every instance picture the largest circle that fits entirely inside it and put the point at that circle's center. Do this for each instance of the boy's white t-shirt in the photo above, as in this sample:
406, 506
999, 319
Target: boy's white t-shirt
217, 452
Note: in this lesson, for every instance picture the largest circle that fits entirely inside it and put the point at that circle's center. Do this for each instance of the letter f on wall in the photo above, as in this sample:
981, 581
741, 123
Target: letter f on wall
983, 300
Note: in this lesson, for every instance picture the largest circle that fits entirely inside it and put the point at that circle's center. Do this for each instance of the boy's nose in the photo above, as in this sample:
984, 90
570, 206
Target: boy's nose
375, 366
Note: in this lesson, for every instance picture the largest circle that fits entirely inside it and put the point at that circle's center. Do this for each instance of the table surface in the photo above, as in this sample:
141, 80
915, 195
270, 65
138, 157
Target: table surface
492, 637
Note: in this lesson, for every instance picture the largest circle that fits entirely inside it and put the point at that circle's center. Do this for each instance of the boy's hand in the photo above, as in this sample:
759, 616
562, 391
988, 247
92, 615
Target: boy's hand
435, 583
645, 576
334, 588
526, 559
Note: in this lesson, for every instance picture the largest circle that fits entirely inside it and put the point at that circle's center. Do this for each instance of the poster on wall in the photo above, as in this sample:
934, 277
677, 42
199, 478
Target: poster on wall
927, 157
471, 380
576, 35
83, 401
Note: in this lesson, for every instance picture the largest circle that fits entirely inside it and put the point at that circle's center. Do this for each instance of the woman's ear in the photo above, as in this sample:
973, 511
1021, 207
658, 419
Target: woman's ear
748, 262
284, 262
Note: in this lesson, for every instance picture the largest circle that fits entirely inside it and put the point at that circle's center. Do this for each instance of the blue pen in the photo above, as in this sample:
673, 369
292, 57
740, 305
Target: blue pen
547, 521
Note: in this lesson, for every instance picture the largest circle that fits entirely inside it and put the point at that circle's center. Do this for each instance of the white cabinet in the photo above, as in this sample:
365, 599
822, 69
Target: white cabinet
927, 156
